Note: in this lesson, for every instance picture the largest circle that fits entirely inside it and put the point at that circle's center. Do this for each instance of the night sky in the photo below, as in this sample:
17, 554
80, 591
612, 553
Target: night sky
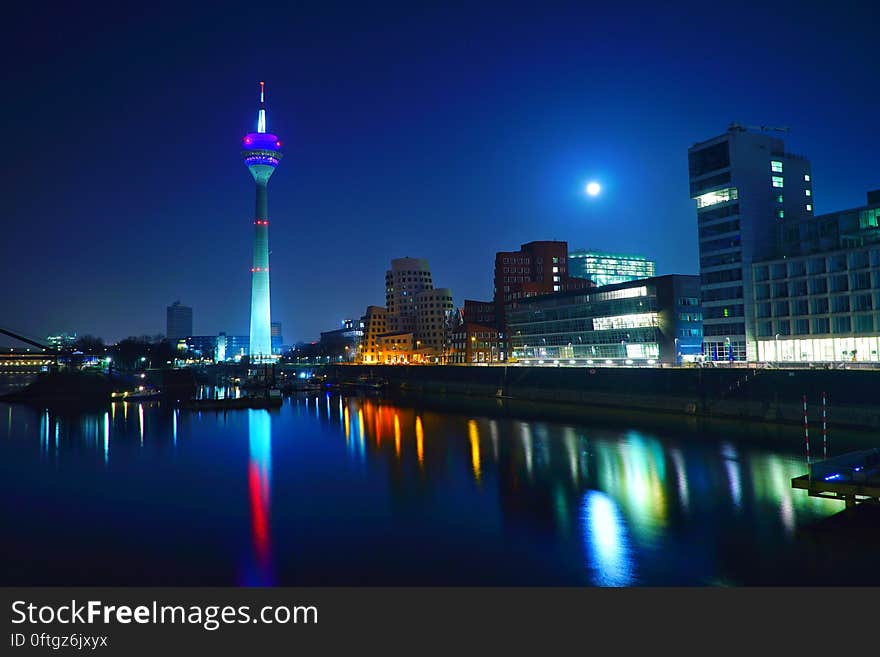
445, 133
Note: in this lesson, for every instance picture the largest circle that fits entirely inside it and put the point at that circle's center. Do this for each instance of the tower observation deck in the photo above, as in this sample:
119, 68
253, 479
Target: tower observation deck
261, 153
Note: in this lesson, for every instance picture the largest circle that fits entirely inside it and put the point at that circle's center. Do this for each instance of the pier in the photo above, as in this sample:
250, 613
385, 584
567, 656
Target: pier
853, 478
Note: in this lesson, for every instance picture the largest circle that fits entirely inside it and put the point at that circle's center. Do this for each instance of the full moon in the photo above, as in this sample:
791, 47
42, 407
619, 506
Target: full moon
593, 188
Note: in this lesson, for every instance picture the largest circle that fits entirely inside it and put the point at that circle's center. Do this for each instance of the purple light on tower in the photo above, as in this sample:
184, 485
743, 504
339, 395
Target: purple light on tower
262, 152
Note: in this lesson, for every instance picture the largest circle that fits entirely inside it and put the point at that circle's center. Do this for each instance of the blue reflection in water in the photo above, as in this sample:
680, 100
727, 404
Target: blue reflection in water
605, 539
259, 487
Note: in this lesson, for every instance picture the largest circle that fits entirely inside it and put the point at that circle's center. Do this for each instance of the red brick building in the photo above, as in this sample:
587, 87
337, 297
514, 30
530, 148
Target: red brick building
537, 268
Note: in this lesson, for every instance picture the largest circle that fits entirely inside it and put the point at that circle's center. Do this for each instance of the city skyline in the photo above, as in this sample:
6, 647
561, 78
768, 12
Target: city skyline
502, 149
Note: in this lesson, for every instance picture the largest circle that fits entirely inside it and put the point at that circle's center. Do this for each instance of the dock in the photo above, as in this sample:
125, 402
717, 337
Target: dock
853, 478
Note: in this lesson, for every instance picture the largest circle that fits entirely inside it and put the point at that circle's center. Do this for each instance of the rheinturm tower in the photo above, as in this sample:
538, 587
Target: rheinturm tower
262, 152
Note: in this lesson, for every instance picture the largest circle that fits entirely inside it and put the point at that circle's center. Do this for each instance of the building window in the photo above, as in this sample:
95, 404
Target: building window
716, 197
807, 192
781, 214
809, 207
806, 177
776, 166
779, 198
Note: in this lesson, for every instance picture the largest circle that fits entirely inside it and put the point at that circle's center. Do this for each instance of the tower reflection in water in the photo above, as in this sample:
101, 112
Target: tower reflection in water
259, 487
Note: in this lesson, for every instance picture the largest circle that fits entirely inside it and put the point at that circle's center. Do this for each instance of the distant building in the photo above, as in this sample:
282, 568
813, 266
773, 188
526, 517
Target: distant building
276, 338
413, 307
538, 268
345, 341
609, 268
204, 346
395, 348
640, 323
434, 311
473, 344
62, 341
178, 322
375, 323
479, 312
406, 278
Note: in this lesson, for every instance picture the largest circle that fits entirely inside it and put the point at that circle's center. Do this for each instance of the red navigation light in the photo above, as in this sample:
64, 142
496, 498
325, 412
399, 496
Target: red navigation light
247, 140
278, 144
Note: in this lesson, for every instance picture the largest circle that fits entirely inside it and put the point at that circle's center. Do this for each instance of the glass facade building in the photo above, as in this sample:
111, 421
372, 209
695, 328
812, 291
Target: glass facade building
745, 186
609, 268
820, 302
635, 323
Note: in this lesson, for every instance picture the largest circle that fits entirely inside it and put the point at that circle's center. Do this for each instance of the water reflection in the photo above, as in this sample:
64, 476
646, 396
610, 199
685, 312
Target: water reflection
259, 486
605, 540
546, 502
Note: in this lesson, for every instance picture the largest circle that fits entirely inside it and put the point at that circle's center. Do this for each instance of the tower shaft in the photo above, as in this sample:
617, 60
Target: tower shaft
261, 320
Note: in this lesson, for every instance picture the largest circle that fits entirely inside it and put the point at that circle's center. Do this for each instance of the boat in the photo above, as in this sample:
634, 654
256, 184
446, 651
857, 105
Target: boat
141, 394
368, 382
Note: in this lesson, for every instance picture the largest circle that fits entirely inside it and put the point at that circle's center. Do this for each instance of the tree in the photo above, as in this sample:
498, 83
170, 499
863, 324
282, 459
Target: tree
89, 344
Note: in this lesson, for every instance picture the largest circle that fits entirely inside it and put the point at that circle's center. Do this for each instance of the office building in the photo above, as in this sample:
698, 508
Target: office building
537, 268
745, 186
641, 322
609, 268
62, 341
475, 344
395, 348
261, 153
434, 312
406, 278
414, 307
375, 323
479, 312
276, 337
178, 322
819, 299
345, 341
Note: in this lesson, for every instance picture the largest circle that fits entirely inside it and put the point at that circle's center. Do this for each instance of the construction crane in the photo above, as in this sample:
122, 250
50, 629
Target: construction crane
759, 128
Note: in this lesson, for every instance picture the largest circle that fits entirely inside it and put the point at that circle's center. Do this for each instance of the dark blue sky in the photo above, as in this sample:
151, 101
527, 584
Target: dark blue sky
442, 132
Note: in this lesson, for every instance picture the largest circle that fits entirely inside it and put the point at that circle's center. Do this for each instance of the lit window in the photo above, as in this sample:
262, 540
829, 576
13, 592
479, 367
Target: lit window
781, 214
806, 177
779, 198
718, 196
775, 166
808, 192
809, 208
777, 181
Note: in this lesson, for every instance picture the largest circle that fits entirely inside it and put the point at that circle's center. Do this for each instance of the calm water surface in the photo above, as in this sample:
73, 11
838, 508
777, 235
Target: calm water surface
344, 490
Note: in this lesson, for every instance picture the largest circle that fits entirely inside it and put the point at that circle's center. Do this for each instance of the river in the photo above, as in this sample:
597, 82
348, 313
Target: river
355, 490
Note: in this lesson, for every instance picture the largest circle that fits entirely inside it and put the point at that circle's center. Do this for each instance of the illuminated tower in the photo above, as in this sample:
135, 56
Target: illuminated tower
261, 155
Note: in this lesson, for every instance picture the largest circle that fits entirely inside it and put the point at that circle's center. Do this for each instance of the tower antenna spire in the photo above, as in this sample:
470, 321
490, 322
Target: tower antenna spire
261, 116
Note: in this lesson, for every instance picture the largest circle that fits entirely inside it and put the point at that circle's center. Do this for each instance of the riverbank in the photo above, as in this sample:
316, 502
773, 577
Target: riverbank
753, 395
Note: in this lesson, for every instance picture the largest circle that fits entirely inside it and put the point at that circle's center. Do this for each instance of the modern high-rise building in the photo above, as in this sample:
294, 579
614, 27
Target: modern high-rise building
261, 155
609, 268
178, 321
746, 186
